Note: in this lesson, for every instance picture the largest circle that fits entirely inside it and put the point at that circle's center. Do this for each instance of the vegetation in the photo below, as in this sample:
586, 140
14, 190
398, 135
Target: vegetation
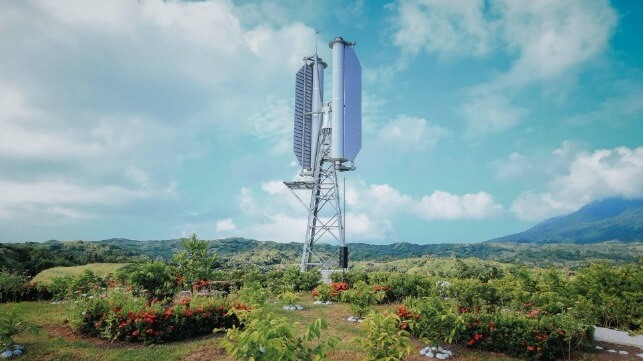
251, 255
266, 336
385, 340
11, 324
99, 269
532, 313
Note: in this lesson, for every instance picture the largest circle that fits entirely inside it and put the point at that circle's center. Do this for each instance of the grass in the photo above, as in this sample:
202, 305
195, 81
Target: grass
100, 269
56, 341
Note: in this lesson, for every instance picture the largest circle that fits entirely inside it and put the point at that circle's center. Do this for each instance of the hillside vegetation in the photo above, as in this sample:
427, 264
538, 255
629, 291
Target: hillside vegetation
235, 253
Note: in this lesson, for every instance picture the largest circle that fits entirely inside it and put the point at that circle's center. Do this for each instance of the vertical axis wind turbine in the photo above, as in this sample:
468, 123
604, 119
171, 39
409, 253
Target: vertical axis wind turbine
327, 138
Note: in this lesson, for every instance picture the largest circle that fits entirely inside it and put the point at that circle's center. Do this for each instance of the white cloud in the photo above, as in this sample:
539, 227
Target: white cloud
545, 42
514, 166
225, 225
590, 176
246, 201
277, 228
71, 200
372, 211
274, 187
491, 113
411, 133
386, 202
138, 87
447, 206
545, 37
551, 37
445, 27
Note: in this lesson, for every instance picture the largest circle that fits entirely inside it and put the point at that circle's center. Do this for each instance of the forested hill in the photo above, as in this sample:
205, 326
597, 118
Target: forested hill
239, 252
613, 219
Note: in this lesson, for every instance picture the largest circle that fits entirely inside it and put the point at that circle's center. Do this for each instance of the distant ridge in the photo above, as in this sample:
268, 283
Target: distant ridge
612, 219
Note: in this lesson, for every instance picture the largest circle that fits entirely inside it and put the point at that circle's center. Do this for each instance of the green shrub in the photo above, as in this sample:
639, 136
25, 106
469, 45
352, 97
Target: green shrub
350, 277
194, 263
361, 298
614, 294
11, 324
473, 294
439, 320
267, 337
384, 339
253, 294
15, 288
291, 279
289, 298
157, 278
405, 285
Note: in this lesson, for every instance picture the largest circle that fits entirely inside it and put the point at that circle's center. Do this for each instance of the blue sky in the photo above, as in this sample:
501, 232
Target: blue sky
153, 120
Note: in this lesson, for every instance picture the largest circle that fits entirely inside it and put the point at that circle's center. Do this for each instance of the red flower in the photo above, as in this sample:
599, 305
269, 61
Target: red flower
150, 331
530, 348
135, 333
471, 342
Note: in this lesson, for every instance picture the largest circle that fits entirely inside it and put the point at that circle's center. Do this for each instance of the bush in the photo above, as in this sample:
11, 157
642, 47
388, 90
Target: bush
438, 320
613, 295
385, 340
267, 337
289, 298
157, 278
350, 277
291, 279
11, 324
253, 294
405, 285
123, 316
16, 288
473, 294
529, 336
361, 298
329, 292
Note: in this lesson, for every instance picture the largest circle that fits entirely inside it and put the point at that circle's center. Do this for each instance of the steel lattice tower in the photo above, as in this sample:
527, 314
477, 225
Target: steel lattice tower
325, 146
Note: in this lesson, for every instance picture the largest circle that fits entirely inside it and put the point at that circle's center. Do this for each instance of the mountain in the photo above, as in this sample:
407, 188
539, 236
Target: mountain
612, 219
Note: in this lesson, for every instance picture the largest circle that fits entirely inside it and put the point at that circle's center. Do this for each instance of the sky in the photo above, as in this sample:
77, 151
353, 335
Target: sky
158, 119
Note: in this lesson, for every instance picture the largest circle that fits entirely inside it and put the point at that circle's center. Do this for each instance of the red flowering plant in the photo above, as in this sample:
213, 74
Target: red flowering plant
327, 292
529, 335
123, 316
385, 291
406, 317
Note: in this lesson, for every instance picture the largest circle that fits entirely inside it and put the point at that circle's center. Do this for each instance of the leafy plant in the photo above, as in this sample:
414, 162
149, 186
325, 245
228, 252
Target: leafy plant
194, 262
289, 298
253, 294
361, 298
11, 324
385, 340
157, 278
267, 337
439, 320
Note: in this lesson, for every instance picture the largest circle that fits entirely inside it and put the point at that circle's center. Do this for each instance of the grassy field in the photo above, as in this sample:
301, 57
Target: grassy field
100, 269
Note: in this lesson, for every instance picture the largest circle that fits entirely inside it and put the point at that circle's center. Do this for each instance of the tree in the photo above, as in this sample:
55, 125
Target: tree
194, 263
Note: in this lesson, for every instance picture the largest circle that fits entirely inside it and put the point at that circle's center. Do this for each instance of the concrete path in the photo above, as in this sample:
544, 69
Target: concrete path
617, 337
